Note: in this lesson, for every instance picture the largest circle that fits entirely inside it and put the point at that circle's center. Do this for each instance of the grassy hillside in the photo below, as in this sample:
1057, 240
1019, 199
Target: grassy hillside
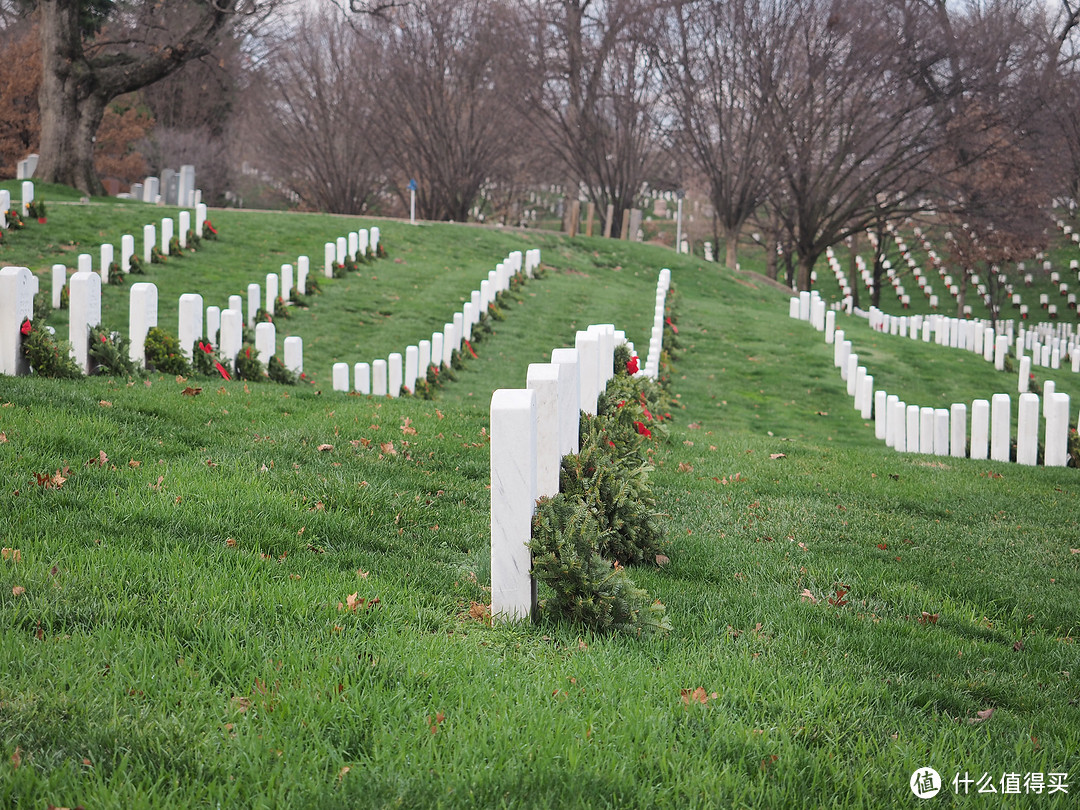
175, 631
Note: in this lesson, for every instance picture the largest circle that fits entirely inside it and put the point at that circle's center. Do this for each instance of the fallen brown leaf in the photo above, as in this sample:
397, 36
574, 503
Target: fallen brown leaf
684, 467
979, 717
775, 456
12, 554
662, 559
808, 595
191, 392
18, 590
16, 758
325, 448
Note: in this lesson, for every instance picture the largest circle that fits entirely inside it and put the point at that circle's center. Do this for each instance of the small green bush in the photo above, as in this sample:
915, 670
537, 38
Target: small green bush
109, 353
277, 372
588, 589
47, 356
248, 365
163, 353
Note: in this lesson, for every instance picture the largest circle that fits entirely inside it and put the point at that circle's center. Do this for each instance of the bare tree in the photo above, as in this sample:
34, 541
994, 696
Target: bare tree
95, 51
596, 91
850, 130
443, 107
314, 113
711, 71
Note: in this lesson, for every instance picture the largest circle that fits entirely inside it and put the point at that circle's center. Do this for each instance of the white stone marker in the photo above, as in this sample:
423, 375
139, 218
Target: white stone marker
437, 349
1024, 377
958, 430
477, 305
341, 376
393, 374
852, 373
340, 249
794, 308
543, 380
378, 378
27, 197
374, 235
513, 496
1000, 427
830, 326
293, 350
213, 325
926, 430
888, 417
236, 302
329, 252
1049, 389
190, 323
857, 386
988, 344
86, 263
16, 305
5, 206
912, 428
468, 318
254, 296
232, 335
59, 279
362, 378
588, 349
127, 250
183, 225
1001, 348
362, 241
265, 341
866, 399
1027, 430
845, 356
142, 316
1056, 448
303, 267
899, 417
423, 359
980, 429
271, 292
107, 251
941, 431
569, 399
804, 305
149, 233
200, 218
881, 399
166, 234
838, 348
354, 244
85, 306
286, 281
412, 367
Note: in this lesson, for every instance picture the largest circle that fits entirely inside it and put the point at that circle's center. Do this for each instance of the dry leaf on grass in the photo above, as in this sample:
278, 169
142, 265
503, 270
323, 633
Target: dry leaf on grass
12, 554
698, 695
325, 448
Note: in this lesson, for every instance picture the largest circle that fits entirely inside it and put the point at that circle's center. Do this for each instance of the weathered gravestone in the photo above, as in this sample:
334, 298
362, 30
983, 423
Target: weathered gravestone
190, 323
84, 312
142, 316
16, 305
513, 495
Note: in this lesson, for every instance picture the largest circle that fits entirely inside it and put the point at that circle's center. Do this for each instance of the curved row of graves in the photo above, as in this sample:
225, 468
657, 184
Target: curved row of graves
387, 376
532, 428
944, 431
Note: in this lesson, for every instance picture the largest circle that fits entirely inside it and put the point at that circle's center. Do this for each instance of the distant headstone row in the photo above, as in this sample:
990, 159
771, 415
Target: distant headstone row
386, 377
171, 188
532, 428
943, 431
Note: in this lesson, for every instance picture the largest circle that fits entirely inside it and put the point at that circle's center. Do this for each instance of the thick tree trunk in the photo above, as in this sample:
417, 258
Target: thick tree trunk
69, 116
806, 265
731, 247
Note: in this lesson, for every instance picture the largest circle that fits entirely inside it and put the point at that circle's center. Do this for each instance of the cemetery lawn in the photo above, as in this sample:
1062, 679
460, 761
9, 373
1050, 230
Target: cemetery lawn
264, 596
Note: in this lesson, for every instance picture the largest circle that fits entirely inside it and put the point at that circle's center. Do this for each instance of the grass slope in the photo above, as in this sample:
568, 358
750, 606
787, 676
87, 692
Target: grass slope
180, 643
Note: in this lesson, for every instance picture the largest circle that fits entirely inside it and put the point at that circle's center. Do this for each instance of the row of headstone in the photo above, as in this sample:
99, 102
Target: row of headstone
354, 245
656, 336
386, 377
24, 203
943, 431
221, 328
171, 188
532, 428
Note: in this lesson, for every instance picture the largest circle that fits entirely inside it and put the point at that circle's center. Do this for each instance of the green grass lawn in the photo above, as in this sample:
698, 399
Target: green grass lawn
842, 614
